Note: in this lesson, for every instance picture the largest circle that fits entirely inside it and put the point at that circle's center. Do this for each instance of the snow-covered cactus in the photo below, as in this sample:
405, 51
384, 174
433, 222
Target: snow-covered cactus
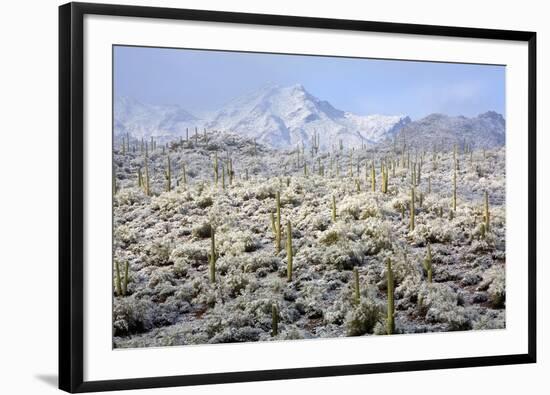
333, 209
390, 323
289, 251
140, 178
428, 263
213, 255
121, 283
118, 280
373, 177
223, 176
184, 174
486, 215
216, 168
411, 225
274, 320
168, 174
356, 289
147, 189
454, 189
230, 171
278, 222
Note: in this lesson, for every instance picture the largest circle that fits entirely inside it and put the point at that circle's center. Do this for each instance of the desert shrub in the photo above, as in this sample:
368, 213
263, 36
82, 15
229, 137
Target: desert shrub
235, 284
237, 335
202, 231
330, 237
438, 231
497, 288
185, 255
205, 201
131, 315
440, 303
342, 258
362, 318
236, 242
124, 235
158, 254
262, 261
128, 197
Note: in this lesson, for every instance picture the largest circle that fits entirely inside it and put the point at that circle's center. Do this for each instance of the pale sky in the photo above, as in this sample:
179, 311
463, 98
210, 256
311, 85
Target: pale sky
206, 80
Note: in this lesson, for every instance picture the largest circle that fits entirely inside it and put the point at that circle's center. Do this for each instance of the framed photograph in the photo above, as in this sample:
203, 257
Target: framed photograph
250, 197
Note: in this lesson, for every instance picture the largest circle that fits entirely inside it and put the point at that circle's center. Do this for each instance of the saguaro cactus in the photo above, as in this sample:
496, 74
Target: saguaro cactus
390, 323
333, 209
184, 174
168, 174
373, 177
278, 223
118, 281
140, 178
146, 186
454, 189
289, 251
357, 290
428, 263
223, 176
216, 168
412, 209
213, 256
486, 215
274, 320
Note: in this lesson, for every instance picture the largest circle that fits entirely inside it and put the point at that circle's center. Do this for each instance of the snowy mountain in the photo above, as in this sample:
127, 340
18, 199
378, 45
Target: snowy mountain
484, 131
283, 117
143, 120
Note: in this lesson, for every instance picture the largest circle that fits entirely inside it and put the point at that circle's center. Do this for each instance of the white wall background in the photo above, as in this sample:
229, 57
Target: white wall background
28, 194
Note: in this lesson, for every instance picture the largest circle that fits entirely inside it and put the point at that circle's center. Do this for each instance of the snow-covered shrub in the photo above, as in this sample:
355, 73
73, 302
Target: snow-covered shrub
125, 235
497, 288
362, 318
202, 231
131, 315
236, 242
128, 197
440, 303
158, 254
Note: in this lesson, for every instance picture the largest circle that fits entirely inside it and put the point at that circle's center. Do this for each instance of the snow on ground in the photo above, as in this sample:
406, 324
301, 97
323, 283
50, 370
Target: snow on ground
165, 239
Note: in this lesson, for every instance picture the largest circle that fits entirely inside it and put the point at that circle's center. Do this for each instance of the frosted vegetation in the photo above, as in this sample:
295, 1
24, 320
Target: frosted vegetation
205, 258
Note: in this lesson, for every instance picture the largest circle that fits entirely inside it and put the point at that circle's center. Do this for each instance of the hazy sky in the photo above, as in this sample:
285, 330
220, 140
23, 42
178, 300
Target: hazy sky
206, 80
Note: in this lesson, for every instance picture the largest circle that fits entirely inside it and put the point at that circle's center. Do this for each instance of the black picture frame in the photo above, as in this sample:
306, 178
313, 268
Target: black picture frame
71, 172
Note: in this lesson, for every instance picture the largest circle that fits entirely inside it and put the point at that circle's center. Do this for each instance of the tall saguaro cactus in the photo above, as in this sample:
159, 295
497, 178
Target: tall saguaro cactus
278, 223
411, 225
486, 215
184, 174
428, 263
213, 255
147, 189
168, 174
289, 251
274, 320
390, 321
216, 168
357, 290
454, 189
373, 177
333, 209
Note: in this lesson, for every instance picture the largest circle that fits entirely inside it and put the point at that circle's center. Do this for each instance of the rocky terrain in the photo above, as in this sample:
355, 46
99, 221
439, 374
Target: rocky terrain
204, 258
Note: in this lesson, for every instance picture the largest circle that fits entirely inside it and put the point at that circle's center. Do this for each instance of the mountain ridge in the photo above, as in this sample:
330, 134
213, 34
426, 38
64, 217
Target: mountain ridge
283, 117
